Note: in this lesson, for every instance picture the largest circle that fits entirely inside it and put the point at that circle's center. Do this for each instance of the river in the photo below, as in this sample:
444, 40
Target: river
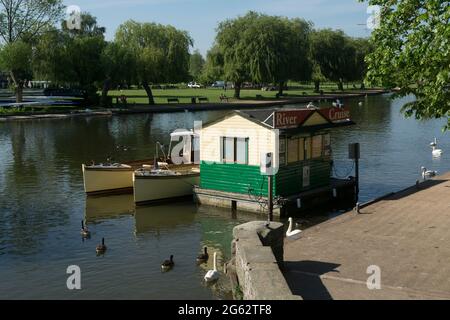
42, 202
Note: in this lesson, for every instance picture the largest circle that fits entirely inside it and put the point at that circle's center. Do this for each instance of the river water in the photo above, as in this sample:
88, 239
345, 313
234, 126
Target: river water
42, 202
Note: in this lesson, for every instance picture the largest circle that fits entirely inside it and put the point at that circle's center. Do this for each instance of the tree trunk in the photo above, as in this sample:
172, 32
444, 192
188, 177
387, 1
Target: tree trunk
105, 90
340, 85
316, 86
237, 90
280, 89
148, 90
19, 92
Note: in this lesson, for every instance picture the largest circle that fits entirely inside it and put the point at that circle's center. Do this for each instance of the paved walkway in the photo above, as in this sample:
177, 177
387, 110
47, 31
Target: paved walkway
407, 235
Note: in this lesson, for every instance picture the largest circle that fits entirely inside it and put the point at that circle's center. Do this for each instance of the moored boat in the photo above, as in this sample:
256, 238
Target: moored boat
110, 178
164, 181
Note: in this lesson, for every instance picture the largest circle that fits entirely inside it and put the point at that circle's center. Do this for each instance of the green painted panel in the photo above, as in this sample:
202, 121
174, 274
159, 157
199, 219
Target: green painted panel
289, 179
246, 179
233, 178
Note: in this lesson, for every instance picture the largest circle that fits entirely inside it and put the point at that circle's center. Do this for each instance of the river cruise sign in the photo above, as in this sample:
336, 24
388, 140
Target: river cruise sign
289, 119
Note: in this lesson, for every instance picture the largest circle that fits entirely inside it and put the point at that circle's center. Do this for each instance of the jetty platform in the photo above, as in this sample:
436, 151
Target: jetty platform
406, 235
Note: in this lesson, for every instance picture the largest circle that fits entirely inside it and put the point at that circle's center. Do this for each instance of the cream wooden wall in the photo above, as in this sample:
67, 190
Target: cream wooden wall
260, 139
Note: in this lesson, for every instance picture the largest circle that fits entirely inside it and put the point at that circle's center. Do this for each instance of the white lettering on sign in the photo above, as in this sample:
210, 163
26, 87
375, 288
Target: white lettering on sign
338, 114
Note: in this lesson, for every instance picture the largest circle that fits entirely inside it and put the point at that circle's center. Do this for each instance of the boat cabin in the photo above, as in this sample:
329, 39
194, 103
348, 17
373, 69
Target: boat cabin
232, 150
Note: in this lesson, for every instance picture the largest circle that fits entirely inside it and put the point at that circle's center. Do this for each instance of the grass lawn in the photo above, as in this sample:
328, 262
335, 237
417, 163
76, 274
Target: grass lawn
185, 95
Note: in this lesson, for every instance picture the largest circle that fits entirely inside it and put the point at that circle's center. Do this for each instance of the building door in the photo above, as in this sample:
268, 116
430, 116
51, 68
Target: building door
306, 176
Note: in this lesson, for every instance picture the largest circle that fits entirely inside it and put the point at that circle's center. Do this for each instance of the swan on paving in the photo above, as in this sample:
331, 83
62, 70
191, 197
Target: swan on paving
212, 275
292, 234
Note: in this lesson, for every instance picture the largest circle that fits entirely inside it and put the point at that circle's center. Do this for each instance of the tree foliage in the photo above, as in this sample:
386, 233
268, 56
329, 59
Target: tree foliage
22, 21
196, 65
161, 52
264, 49
411, 51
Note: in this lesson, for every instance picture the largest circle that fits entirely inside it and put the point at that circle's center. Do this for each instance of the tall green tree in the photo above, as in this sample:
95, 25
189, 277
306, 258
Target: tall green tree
24, 21
333, 54
411, 51
161, 53
196, 65
213, 68
118, 64
17, 58
73, 58
264, 49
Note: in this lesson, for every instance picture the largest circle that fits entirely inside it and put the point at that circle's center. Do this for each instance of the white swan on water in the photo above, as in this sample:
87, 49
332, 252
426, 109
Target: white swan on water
212, 275
436, 152
434, 143
292, 234
428, 173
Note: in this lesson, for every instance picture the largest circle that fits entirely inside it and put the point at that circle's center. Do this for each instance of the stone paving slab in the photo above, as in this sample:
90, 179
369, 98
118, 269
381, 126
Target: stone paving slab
407, 235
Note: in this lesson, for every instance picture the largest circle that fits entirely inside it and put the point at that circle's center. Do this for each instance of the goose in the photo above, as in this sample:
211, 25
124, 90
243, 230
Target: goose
101, 248
212, 275
168, 264
84, 230
203, 257
292, 234
428, 173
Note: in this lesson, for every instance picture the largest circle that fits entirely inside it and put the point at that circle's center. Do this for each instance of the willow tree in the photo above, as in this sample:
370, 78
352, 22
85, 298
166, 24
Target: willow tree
264, 49
161, 53
411, 51
333, 55
22, 21
73, 58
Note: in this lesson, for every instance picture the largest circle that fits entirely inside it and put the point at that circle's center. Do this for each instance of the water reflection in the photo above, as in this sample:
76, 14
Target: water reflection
42, 201
101, 208
154, 219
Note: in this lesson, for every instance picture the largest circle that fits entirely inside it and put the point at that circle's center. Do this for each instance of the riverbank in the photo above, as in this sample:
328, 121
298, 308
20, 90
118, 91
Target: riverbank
166, 108
405, 235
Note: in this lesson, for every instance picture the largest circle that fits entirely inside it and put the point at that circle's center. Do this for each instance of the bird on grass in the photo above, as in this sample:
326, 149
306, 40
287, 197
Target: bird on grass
202, 258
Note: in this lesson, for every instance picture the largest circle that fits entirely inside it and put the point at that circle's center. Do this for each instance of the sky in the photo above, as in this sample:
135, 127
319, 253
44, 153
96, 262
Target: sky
201, 17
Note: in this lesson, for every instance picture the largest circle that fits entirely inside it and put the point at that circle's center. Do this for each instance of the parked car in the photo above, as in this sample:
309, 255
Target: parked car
194, 85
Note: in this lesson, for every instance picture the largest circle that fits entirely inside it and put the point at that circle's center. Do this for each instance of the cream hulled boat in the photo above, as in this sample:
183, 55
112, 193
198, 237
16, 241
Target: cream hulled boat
164, 181
110, 178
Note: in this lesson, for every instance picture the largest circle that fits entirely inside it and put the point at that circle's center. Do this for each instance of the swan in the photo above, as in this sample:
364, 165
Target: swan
428, 173
292, 234
436, 152
361, 104
338, 104
212, 275
84, 230
434, 143
168, 264
101, 248
311, 106
203, 257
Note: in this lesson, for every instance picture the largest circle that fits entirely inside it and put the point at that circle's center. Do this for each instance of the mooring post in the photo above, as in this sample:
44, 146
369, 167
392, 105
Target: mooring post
270, 196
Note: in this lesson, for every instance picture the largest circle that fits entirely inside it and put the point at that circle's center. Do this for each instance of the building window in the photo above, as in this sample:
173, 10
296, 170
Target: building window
301, 149
282, 151
317, 146
293, 150
234, 150
308, 148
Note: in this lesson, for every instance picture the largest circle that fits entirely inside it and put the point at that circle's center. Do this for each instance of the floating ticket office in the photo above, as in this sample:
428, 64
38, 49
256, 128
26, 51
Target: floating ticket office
231, 149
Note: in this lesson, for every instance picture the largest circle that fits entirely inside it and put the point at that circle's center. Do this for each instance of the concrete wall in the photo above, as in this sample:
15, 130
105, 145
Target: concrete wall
258, 253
